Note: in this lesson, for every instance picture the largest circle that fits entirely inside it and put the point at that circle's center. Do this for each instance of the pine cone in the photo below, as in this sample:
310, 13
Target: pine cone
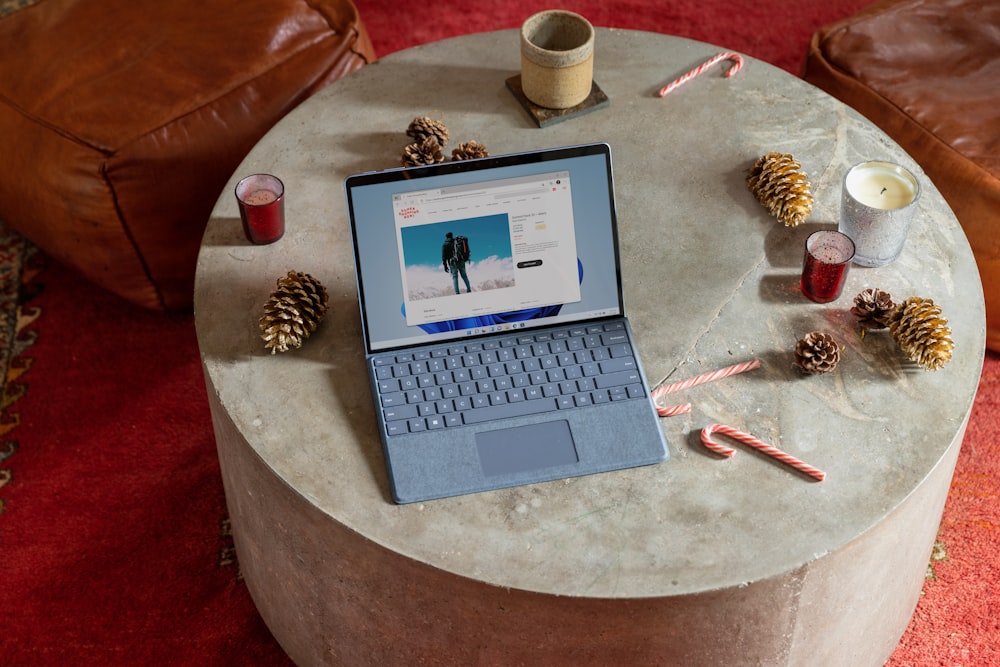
921, 333
817, 353
426, 152
872, 308
293, 311
469, 151
778, 183
423, 127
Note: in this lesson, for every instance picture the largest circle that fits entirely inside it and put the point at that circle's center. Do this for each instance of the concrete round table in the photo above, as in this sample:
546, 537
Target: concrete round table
697, 561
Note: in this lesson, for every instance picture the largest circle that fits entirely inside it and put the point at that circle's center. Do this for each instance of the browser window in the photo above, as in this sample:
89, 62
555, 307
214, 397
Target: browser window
484, 248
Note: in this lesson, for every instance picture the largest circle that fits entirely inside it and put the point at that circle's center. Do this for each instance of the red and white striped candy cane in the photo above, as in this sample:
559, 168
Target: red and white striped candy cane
706, 377
725, 55
748, 439
673, 410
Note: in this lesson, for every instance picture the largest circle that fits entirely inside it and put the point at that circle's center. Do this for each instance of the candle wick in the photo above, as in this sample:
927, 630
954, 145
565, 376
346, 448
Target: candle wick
883, 191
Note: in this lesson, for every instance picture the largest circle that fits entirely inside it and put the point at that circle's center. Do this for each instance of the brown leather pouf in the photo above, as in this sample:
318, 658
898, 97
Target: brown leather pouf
928, 73
121, 121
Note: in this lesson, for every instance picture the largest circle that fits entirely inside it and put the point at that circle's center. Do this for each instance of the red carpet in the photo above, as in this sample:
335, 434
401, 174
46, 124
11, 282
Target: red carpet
113, 545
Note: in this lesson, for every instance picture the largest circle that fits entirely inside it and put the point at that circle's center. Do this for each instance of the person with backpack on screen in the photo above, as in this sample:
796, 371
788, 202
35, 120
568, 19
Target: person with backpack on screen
454, 255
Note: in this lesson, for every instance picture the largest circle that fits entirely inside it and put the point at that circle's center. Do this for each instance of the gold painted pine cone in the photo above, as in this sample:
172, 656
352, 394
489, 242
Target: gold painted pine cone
921, 332
292, 312
780, 185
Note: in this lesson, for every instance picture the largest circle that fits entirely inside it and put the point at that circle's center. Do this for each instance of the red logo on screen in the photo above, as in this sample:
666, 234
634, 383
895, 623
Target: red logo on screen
408, 212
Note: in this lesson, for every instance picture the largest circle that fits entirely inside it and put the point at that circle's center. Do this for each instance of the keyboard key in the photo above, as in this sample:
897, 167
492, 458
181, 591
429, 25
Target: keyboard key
393, 398
399, 412
616, 365
620, 350
616, 379
617, 393
519, 409
615, 338
635, 391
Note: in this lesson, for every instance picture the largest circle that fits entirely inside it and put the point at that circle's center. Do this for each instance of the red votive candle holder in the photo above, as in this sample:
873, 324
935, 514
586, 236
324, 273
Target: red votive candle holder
828, 254
261, 198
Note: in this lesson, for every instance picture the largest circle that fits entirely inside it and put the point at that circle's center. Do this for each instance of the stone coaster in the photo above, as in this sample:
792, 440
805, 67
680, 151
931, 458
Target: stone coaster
543, 117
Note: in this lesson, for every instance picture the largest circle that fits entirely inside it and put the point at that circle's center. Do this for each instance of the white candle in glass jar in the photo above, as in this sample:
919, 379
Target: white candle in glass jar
877, 204
881, 185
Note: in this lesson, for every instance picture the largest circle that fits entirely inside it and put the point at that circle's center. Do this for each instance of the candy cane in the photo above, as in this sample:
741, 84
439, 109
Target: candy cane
748, 439
706, 377
673, 410
725, 55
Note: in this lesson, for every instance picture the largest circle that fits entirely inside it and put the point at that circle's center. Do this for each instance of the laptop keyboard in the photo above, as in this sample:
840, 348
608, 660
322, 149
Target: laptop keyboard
514, 375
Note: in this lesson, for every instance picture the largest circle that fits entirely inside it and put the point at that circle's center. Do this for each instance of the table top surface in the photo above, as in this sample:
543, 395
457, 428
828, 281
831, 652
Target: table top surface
710, 280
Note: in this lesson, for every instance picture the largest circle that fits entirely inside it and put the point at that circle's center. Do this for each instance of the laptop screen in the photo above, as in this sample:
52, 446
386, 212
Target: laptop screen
468, 248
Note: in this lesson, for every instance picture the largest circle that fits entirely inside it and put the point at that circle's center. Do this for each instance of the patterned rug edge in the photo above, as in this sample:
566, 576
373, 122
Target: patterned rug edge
11, 6
21, 263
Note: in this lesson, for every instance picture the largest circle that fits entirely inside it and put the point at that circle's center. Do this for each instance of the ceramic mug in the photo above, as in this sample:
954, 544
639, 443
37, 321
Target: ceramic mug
557, 59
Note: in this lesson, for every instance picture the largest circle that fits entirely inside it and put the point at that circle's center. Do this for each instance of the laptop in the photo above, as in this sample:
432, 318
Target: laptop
495, 334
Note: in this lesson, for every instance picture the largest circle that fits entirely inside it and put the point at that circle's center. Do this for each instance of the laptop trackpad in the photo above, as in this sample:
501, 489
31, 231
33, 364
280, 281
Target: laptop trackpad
523, 448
